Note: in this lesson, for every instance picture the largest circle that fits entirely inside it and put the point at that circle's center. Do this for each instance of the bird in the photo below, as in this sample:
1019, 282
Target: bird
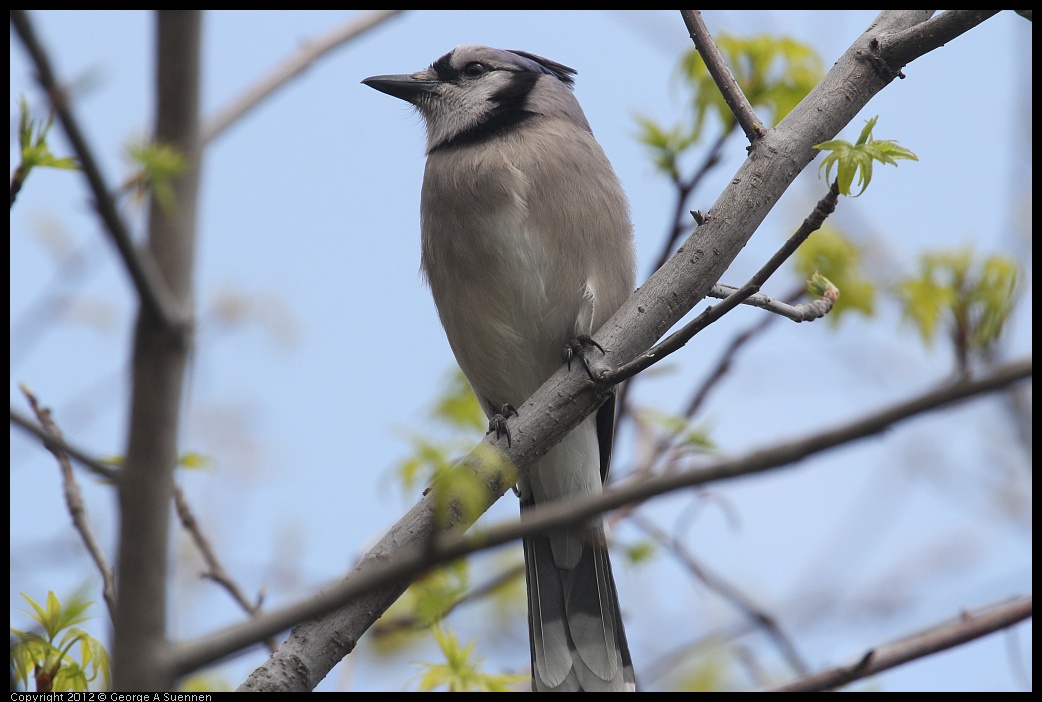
527, 247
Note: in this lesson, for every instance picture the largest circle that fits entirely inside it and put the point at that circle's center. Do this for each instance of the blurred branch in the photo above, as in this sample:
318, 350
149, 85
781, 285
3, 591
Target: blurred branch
151, 289
214, 570
140, 658
757, 616
684, 190
968, 627
52, 442
74, 501
55, 443
729, 88
413, 546
289, 69
386, 626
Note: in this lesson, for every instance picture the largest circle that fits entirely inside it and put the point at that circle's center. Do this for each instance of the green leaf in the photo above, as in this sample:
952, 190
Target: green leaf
456, 406
970, 298
460, 493
459, 672
51, 664
853, 160
193, 460
641, 551
32, 137
774, 73
160, 165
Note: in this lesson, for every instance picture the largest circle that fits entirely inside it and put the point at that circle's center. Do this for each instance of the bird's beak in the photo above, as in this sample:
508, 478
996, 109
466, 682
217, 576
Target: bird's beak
405, 87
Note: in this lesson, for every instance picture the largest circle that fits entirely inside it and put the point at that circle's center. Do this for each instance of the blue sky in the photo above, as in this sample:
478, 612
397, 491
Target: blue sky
308, 235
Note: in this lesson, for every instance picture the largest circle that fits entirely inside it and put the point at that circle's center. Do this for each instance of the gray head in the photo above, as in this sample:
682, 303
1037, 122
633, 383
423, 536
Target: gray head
474, 92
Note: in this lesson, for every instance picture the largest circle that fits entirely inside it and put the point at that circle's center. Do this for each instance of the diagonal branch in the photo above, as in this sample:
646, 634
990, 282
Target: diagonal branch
282, 74
74, 501
757, 616
151, 288
57, 443
732, 92
967, 627
737, 296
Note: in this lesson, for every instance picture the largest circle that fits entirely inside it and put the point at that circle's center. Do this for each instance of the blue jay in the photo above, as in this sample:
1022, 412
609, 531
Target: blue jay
527, 246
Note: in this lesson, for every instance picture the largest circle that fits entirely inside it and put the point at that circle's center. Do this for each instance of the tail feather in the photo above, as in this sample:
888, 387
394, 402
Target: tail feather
576, 632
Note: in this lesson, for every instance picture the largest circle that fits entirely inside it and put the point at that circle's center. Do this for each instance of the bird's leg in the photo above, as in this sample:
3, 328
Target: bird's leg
498, 422
576, 348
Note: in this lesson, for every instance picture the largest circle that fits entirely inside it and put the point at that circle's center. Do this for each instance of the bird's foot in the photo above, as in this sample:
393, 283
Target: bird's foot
577, 347
498, 422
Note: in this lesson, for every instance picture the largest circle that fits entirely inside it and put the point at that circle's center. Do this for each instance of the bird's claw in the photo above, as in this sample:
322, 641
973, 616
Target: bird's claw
498, 422
576, 348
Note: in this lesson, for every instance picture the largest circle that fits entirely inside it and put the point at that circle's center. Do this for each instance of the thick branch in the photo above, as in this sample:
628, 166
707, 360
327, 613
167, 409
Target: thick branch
140, 660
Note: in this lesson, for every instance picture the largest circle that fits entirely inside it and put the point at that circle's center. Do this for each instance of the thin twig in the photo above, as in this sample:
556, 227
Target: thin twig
56, 442
757, 616
967, 627
723, 365
151, 288
684, 190
282, 74
804, 312
214, 570
74, 501
714, 60
677, 340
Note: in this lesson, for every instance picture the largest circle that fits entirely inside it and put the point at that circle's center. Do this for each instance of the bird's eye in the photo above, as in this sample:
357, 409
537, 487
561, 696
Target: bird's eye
475, 69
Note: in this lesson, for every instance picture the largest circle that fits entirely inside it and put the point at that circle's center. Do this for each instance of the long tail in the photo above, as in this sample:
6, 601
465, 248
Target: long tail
575, 627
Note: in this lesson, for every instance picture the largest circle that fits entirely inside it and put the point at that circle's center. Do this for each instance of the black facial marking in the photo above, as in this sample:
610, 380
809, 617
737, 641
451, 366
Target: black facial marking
444, 70
507, 110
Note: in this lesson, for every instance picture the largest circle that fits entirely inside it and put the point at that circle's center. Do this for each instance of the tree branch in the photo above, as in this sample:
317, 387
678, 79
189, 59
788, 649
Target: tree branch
140, 660
282, 74
151, 290
74, 501
214, 570
413, 545
729, 88
758, 617
737, 296
54, 442
967, 627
